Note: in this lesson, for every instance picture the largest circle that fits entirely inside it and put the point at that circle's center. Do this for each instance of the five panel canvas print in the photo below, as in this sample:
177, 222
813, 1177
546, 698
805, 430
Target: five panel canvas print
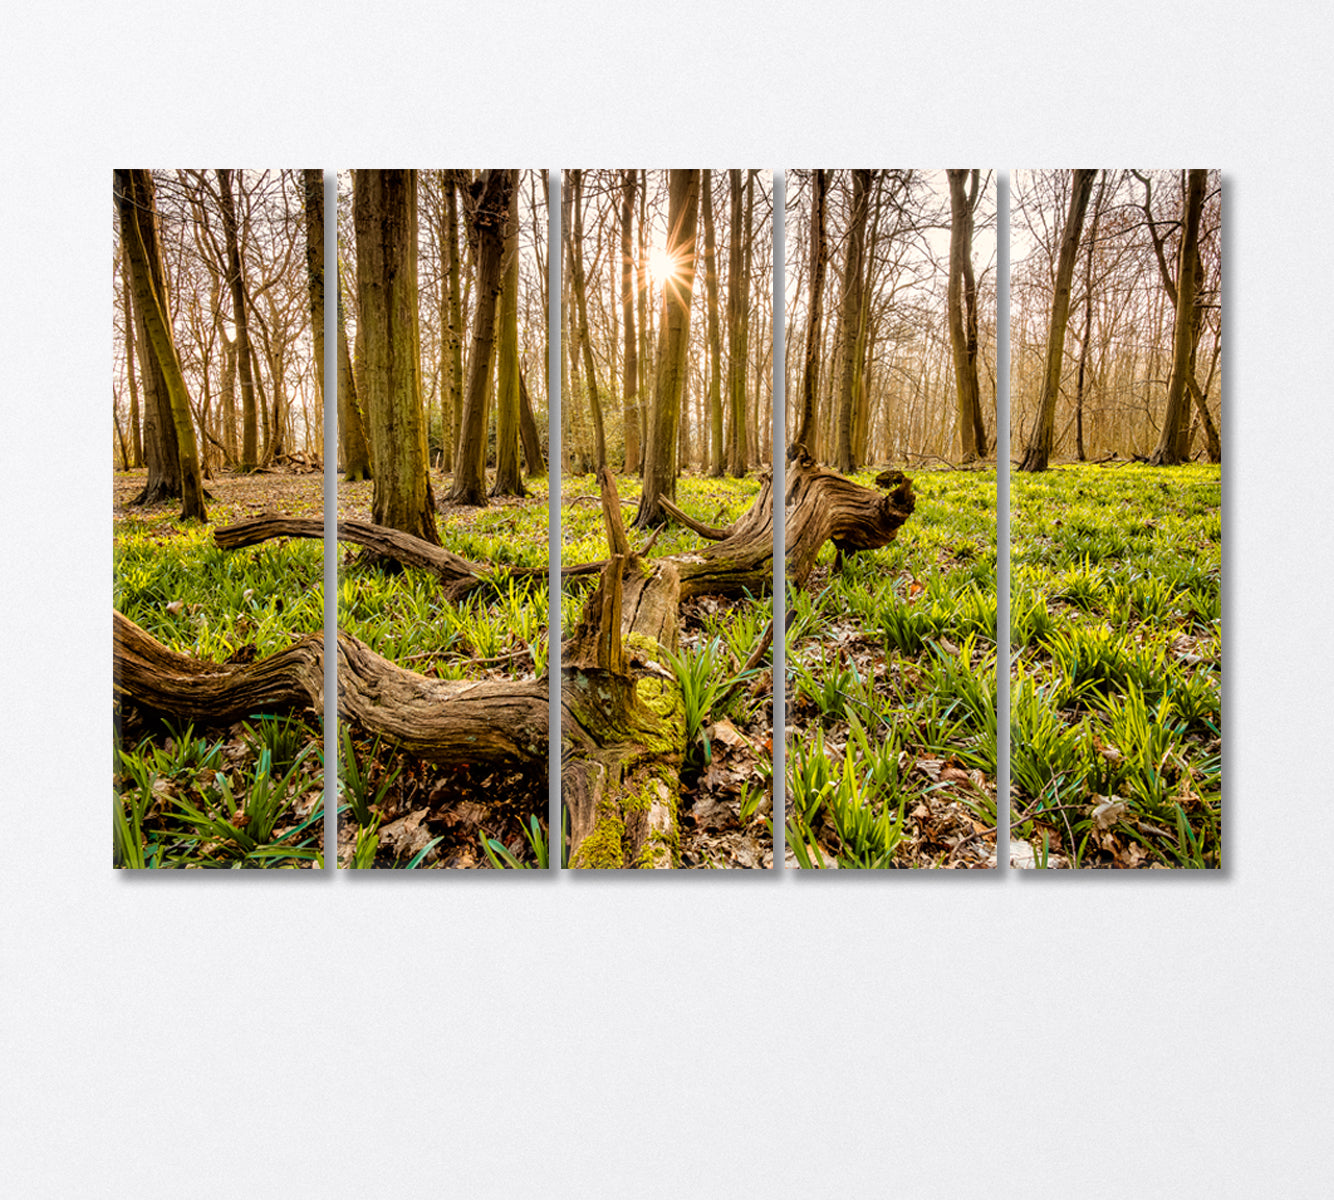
649, 297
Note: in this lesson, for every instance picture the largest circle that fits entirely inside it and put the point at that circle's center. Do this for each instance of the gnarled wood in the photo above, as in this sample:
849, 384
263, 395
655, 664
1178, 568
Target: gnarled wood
622, 729
450, 722
713, 532
458, 576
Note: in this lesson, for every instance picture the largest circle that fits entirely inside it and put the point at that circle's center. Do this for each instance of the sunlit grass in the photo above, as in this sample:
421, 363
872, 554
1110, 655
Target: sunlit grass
892, 680
1117, 649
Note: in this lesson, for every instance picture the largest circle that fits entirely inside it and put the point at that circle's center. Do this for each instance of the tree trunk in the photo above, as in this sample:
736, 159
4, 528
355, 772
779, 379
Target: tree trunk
576, 256
715, 401
1038, 453
453, 413
488, 223
508, 480
134, 194
673, 341
807, 431
384, 211
161, 454
534, 460
351, 426
236, 281
630, 376
1171, 450
1088, 321
972, 437
136, 435
314, 192
850, 320
441, 722
642, 310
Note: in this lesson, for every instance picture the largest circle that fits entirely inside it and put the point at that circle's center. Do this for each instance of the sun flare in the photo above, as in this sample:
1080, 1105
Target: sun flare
662, 264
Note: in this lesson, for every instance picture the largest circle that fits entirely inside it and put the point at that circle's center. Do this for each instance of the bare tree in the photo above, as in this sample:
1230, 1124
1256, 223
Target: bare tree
135, 202
819, 255
1038, 453
682, 221
384, 206
963, 333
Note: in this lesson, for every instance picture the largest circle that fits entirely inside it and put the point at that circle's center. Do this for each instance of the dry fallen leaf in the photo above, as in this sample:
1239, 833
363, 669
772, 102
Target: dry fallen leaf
1108, 811
724, 731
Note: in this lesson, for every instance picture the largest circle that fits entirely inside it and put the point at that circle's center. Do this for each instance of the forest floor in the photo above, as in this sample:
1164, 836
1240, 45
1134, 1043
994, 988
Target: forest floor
249, 794
1116, 721
891, 691
726, 806
397, 811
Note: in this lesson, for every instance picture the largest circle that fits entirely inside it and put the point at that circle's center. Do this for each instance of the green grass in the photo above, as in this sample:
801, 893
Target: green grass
498, 631
244, 796
892, 682
1117, 656
251, 798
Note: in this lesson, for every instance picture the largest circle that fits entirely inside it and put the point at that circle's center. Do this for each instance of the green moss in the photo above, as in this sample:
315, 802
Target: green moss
603, 848
663, 698
638, 646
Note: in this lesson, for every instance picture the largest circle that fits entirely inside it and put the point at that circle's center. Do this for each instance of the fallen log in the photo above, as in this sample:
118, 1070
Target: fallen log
445, 722
457, 575
622, 721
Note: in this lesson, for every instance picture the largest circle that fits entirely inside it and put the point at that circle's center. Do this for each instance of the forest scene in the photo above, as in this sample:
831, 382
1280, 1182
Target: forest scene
442, 515
667, 518
1116, 519
218, 419
891, 518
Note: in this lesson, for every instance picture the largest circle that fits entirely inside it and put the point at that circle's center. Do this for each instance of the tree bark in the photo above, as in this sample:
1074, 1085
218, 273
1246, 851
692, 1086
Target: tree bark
134, 194
384, 211
1038, 453
850, 321
682, 219
314, 193
442, 722
807, 430
161, 454
715, 402
972, 436
1088, 321
488, 225
236, 281
576, 256
534, 459
351, 425
630, 376
136, 436
508, 480
1171, 449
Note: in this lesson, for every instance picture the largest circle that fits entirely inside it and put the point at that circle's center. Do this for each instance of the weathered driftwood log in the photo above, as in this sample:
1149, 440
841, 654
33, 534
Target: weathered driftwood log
622, 721
457, 575
823, 506
501, 722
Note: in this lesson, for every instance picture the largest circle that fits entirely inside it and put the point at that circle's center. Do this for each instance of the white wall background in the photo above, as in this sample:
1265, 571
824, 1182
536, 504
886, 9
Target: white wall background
498, 1036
